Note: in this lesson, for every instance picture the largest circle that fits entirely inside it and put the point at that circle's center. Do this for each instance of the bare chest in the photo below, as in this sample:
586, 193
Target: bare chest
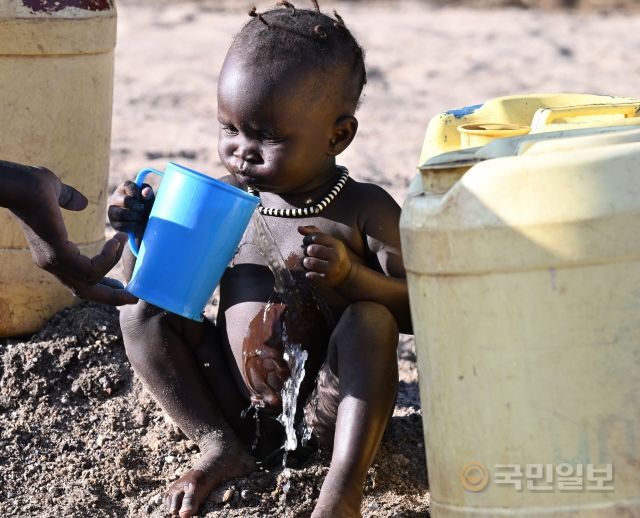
282, 239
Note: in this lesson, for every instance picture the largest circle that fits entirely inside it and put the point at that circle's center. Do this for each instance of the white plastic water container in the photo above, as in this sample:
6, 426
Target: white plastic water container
56, 92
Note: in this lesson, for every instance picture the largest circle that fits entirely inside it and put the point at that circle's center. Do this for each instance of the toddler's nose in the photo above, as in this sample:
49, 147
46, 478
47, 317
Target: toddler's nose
247, 151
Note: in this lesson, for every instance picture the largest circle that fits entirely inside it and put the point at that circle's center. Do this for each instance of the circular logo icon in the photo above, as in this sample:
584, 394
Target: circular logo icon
474, 477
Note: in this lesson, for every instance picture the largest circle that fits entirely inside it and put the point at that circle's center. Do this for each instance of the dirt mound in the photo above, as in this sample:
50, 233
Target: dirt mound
79, 436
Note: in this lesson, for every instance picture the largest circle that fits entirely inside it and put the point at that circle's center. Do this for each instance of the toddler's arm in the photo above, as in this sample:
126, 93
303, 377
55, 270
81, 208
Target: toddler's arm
382, 278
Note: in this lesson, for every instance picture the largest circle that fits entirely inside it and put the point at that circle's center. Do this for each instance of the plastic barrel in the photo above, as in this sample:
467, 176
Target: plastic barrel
56, 91
523, 281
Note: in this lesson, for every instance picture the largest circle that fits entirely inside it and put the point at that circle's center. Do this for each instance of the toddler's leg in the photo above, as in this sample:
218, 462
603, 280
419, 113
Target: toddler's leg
163, 350
362, 354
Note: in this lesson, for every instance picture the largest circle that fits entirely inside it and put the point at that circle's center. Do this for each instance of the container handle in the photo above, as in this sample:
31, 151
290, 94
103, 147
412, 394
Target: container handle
544, 116
140, 177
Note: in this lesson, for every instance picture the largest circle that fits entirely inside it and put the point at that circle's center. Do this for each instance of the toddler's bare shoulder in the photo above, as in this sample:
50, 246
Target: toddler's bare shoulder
369, 197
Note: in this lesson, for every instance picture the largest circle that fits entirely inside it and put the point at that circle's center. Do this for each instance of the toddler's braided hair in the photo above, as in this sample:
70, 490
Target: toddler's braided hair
308, 37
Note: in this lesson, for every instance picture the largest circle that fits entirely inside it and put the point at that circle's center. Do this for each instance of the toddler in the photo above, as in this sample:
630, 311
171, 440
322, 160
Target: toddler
287, 95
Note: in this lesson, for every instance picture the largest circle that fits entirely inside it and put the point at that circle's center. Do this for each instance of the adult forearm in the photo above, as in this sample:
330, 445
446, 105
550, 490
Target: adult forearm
363, 283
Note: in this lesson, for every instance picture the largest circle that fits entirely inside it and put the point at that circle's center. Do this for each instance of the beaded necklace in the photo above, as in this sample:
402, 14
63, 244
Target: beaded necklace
305, 211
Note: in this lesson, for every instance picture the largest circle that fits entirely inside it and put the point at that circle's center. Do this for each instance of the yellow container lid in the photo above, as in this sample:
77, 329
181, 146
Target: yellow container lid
541, 111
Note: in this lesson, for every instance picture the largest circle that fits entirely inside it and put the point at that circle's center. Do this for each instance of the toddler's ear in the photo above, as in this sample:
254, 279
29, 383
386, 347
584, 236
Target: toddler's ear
344, 130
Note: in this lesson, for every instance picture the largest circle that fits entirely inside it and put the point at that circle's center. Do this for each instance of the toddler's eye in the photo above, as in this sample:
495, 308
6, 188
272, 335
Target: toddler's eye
229, 129
271, 138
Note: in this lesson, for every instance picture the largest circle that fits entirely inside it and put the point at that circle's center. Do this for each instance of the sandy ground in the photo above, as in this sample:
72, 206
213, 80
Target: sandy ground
78, 434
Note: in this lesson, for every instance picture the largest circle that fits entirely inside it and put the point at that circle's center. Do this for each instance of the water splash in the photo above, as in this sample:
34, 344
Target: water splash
284, 282
295, 357
294, 354
254, 407
305, 432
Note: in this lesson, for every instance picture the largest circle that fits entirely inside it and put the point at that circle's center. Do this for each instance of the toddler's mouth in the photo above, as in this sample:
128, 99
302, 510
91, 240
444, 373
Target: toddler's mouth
243, 170
245, 173
244, 178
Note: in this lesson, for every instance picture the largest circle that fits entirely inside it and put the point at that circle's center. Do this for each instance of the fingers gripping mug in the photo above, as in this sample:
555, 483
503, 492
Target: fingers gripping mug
193, 232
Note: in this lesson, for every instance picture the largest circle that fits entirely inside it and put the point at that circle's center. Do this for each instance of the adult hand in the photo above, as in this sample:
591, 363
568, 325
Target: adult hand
38, 209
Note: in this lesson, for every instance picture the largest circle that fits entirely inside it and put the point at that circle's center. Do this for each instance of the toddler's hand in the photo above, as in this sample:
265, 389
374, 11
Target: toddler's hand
129, 207
327, 258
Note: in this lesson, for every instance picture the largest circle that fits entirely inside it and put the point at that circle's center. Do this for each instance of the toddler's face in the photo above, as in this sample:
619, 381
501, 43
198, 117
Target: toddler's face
273, 134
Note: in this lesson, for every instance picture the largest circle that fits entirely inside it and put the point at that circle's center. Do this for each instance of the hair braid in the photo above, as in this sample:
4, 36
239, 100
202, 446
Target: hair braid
253, 12
284, 3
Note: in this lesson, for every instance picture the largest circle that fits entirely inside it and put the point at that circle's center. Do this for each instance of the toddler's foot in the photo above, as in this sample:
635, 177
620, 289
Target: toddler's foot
219, 461
339, 496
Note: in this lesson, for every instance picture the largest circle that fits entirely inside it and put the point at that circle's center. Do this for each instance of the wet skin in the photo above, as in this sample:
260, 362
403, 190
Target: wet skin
296, 315
276, 139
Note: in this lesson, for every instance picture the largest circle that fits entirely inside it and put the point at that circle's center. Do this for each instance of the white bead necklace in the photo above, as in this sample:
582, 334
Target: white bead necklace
305, 211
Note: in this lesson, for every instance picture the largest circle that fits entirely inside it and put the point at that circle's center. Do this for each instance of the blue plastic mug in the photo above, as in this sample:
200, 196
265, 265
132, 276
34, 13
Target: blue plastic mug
193, 232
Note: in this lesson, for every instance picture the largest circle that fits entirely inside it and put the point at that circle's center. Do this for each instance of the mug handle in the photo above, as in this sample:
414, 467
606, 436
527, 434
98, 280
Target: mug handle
139, 181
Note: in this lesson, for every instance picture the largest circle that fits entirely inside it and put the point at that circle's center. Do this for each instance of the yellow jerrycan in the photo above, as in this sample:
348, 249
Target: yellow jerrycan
56, 92
516, 115
524, 281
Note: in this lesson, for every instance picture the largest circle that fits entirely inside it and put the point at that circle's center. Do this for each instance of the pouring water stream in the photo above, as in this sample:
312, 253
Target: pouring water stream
294, 355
